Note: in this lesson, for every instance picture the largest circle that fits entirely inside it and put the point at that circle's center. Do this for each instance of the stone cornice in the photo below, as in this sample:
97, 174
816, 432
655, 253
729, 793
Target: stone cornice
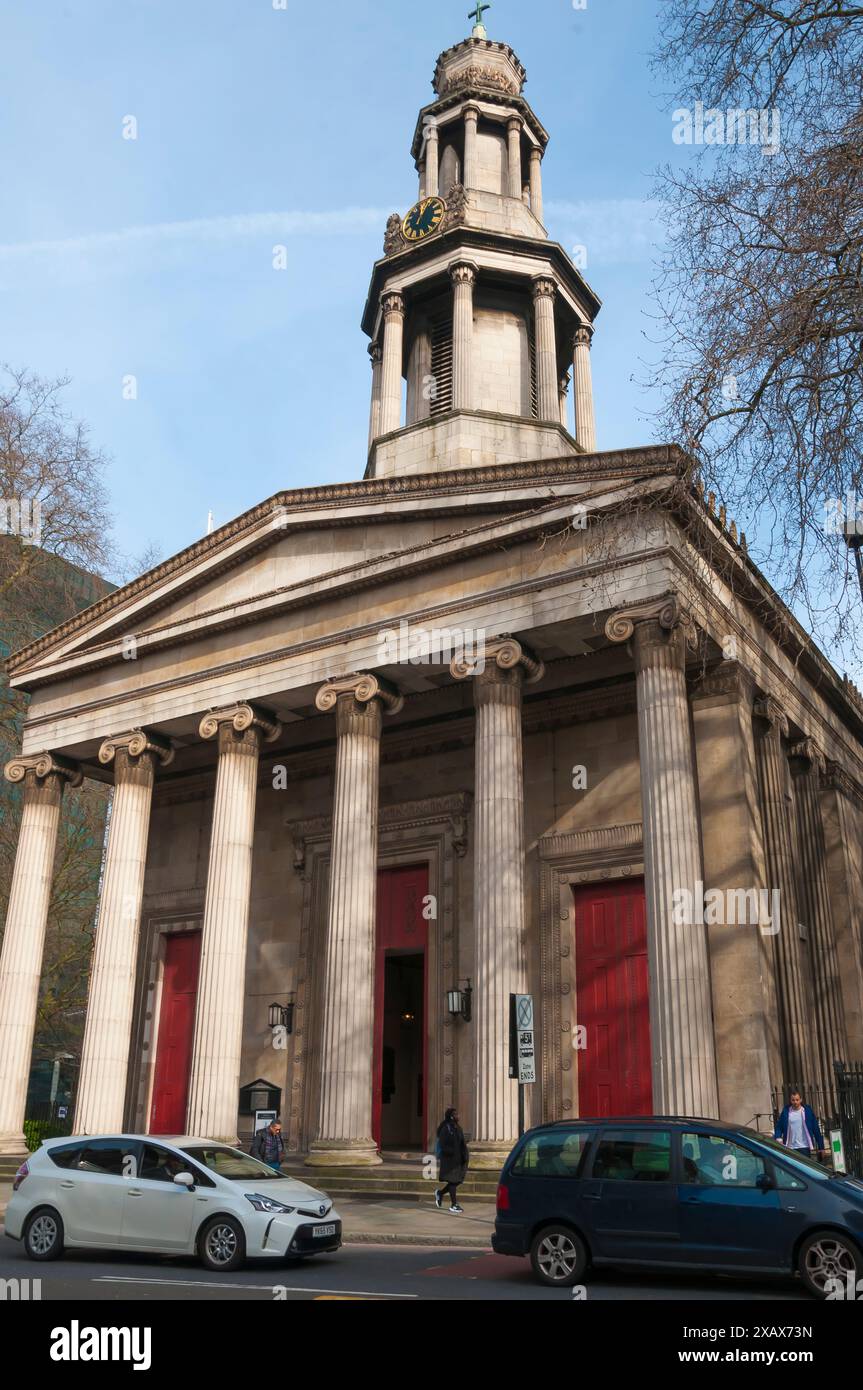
599, 841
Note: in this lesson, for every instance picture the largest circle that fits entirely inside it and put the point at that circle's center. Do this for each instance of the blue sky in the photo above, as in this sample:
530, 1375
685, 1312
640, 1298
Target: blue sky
256, 126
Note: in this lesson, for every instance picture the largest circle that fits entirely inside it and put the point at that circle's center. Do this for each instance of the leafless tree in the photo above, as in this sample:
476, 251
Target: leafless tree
760, 292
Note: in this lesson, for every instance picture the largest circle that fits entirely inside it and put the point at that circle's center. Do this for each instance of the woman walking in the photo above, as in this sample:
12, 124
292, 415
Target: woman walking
453, 1155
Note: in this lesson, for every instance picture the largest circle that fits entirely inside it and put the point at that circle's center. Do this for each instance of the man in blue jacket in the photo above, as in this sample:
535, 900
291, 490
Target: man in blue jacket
798, 1129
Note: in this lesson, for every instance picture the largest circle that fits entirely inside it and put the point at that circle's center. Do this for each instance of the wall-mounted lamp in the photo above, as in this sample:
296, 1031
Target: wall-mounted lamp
458, 1002
282, 1015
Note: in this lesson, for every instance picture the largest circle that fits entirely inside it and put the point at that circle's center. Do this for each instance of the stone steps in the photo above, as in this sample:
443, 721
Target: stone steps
388, 1181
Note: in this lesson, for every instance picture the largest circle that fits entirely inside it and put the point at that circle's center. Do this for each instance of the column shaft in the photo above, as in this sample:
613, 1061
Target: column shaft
391, 368
24, 938
471, 116
217, 1050
536, 183
513, 143
585, 423
547, 379
376, 355
431, 180
794, 1023
463, 278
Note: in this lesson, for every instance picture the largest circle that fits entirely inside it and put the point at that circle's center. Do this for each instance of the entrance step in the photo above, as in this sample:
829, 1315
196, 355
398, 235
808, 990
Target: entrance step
9, 1167
402, 1180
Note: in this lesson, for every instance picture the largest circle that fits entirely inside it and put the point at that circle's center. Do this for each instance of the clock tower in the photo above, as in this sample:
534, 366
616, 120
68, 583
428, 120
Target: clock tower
478, 321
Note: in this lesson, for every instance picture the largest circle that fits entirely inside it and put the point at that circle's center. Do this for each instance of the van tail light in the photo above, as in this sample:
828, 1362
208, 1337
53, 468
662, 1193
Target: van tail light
502, 1197
20, 1176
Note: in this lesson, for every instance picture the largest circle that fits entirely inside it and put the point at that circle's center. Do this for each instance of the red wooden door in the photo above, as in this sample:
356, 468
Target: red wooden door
176, 1032
401, 927
613, 999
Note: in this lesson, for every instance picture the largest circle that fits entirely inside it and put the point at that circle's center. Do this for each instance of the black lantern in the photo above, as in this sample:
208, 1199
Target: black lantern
458, 1002
282, 1015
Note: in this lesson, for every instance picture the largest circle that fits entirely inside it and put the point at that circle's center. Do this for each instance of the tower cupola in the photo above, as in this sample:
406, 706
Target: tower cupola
476, 318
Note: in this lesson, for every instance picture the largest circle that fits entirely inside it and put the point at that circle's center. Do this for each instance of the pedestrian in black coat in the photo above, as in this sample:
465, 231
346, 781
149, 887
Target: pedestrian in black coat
452, 1152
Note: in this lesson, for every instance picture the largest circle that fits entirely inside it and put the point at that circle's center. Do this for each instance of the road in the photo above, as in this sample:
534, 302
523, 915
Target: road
398, 1273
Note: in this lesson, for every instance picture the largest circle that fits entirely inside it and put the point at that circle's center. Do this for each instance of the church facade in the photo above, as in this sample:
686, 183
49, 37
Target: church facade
510, 714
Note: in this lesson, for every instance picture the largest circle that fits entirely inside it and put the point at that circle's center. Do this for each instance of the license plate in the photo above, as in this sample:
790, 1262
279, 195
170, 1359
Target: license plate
328, 1230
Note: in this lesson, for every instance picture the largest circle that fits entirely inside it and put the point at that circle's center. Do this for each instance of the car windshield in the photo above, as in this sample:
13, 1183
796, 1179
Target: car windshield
231, 1163
797, 1160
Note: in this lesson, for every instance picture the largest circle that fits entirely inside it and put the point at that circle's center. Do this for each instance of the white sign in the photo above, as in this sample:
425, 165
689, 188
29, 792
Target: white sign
838, 1151
524, 1039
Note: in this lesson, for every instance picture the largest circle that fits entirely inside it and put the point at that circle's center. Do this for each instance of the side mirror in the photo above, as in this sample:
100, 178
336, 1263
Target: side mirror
185, 1180
764, 1182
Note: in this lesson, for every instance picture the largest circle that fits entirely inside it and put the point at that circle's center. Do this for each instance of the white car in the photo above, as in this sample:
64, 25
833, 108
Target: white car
177, 1196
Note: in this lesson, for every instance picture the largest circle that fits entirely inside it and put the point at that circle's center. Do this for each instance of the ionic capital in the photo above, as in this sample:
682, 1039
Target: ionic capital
44, 766
502, 653
392, 303
364, 686
463, 272
543, 287
668, 613
809, 752
772, 713
137, 743
240, 719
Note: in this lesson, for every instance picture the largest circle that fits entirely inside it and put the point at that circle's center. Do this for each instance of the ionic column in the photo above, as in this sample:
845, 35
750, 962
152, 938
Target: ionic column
808, 766
547, 380
376, 354
471, 116
463, 276
105, 1056
681, 1016
431, 176
795, 1025
344, 1135
536, 182
841, 805
513, 149
585, 423
393, 306
44, 777
498, 895
217, 1051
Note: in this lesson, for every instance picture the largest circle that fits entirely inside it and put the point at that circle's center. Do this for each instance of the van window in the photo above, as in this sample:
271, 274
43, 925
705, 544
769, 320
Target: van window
710, 1160
633, 1155
553, 1153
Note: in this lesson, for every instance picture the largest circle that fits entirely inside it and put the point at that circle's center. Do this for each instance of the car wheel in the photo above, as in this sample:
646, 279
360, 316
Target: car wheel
222, 1244
558, 1257
825, 1262
43, 1234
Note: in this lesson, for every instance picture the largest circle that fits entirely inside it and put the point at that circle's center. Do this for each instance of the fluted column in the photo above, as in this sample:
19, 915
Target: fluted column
44, 777
463, 276
344, 1135
547, 379
393, 306
105, 1056
795, 1026
498, 895
536, 182
681, 1016
513, 150
585, 422
430, 164
563, 391
808, 766
217, 1051
471, 116
376, 354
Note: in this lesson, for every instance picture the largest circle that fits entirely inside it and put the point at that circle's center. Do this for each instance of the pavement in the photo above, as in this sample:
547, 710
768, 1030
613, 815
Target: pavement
394, 1222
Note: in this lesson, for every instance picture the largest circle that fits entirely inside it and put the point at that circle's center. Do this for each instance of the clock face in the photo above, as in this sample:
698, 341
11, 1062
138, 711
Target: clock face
423, 219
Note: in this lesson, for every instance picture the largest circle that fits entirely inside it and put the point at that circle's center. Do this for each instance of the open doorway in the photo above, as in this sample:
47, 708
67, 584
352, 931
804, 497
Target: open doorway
399, 1117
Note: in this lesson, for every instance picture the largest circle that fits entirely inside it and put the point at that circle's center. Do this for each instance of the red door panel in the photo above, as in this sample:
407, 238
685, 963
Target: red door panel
613, 999
176, 1033
400, 926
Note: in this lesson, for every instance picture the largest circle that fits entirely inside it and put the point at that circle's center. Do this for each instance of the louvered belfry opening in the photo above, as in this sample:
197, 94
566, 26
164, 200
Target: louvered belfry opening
531, 357
440, 329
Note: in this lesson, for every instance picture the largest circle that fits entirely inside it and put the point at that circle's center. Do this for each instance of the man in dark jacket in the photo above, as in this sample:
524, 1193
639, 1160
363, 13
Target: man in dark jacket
798, 1129
453, 1155
269, 1146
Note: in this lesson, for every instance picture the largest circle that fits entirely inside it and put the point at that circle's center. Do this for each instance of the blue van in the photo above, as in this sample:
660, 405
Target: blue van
671, 1193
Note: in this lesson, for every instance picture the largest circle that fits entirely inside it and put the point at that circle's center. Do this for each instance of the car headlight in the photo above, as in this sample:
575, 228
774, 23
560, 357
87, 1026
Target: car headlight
261, 1203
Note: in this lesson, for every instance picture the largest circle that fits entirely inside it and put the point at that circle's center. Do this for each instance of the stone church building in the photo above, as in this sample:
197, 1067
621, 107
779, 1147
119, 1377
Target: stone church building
507, 714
